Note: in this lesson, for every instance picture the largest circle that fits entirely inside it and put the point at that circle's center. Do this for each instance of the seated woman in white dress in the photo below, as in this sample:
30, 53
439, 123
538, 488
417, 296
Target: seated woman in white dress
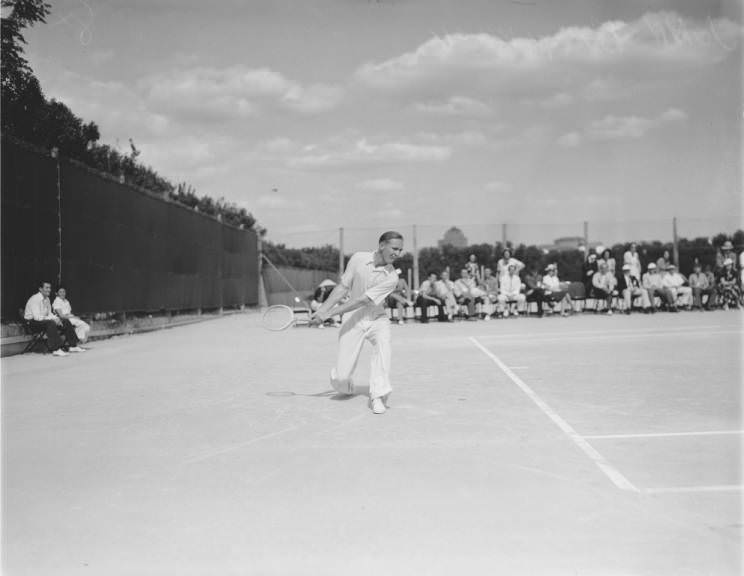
62, 308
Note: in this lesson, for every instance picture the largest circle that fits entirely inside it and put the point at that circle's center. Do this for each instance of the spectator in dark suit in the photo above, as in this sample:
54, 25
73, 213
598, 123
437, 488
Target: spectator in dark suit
589, 269
534, 289
630, 288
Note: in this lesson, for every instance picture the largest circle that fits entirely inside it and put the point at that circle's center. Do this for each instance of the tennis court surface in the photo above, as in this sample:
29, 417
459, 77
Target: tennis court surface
590, 445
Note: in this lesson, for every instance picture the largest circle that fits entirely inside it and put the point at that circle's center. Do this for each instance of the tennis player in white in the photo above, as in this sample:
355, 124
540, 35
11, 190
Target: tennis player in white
368, 280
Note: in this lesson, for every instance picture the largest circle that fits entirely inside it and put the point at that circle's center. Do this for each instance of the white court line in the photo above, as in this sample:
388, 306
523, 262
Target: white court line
618, 331
693, 489
664, 434
549, 337
612, 473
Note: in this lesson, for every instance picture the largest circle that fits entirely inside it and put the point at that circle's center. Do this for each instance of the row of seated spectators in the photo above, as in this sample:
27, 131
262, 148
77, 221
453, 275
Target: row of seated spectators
513, 288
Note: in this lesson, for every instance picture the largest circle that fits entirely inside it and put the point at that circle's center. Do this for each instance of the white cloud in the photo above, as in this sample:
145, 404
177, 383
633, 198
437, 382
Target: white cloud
497, 186
272, 201
454, 106
656, 38
558, 100
381, 185
201, 92
631, 127
613, 127
569, 140
363, 152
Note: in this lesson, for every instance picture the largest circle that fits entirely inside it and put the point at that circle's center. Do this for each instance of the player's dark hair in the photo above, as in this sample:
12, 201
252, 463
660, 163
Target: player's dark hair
42, 282
390, 235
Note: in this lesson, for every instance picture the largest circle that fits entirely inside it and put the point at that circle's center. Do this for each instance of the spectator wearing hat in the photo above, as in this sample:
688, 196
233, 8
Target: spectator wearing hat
677, 284
728, 286
654, 285
604, 286
510, 291
726, 252
630, 288
633, 259
554, 292
701, 286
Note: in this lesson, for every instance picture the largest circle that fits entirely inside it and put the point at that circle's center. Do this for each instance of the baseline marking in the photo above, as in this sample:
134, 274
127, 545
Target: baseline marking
664, 434
611, 472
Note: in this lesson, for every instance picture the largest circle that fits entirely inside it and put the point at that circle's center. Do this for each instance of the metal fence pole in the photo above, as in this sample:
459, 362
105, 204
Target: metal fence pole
55, 155
340, 252
415, 260
675, 239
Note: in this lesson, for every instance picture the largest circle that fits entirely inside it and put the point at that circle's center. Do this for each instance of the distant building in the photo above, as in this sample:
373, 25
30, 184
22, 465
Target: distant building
454, 237
568, 244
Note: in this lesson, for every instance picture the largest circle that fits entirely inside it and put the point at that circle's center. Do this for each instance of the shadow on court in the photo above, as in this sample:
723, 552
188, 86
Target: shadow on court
581, 446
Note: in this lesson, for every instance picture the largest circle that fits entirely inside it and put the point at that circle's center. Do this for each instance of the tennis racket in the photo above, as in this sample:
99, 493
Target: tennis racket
278, 317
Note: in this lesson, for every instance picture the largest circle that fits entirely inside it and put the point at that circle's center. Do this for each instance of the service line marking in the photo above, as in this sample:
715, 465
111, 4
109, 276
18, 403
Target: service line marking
610, 471
663, 434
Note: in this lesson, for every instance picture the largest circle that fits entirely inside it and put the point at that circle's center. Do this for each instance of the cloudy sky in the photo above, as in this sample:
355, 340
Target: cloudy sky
376, 114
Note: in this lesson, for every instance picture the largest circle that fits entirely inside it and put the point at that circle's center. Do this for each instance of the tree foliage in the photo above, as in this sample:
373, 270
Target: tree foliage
28, 116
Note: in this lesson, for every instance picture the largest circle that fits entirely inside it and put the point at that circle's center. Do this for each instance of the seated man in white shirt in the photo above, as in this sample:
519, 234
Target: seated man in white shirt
468, 293
427, 297
604, 286
445, 290
38, 314
490, 286
554, 292
677, 283
654, 285
510, 292
63, 309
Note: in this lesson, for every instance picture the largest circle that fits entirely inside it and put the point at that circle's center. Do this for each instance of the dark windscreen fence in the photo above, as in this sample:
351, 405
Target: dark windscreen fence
123, 249
29, 225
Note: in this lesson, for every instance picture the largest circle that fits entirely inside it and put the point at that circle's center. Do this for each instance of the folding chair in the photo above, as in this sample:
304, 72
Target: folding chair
36, 337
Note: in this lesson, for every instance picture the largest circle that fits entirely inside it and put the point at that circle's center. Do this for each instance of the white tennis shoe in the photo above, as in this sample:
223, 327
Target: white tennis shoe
77, 349
378, 406
59, 352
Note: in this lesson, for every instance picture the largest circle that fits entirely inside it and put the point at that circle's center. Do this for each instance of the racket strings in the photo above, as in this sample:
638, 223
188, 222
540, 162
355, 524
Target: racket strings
278, 317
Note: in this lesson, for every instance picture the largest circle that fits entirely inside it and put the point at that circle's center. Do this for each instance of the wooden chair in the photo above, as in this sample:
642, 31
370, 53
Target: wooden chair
36, 337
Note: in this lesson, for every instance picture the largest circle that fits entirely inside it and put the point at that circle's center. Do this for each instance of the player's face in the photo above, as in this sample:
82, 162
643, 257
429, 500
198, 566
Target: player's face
391, 250
46, 289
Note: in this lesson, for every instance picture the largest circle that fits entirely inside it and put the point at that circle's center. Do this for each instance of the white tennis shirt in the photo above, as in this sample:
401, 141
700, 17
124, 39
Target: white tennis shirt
363, 278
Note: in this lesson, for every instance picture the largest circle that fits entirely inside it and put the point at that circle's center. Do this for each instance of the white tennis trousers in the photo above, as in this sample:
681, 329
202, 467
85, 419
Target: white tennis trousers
350, 341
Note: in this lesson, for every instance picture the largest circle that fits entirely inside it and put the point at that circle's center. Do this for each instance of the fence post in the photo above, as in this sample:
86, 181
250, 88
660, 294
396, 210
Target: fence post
340, 252
675, 239
586, 239
55, 155
415, 260
262, 300
503, 234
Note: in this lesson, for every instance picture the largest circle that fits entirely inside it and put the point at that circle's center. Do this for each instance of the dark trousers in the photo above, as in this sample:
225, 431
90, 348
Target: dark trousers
52, 331
424, 304
536, 295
